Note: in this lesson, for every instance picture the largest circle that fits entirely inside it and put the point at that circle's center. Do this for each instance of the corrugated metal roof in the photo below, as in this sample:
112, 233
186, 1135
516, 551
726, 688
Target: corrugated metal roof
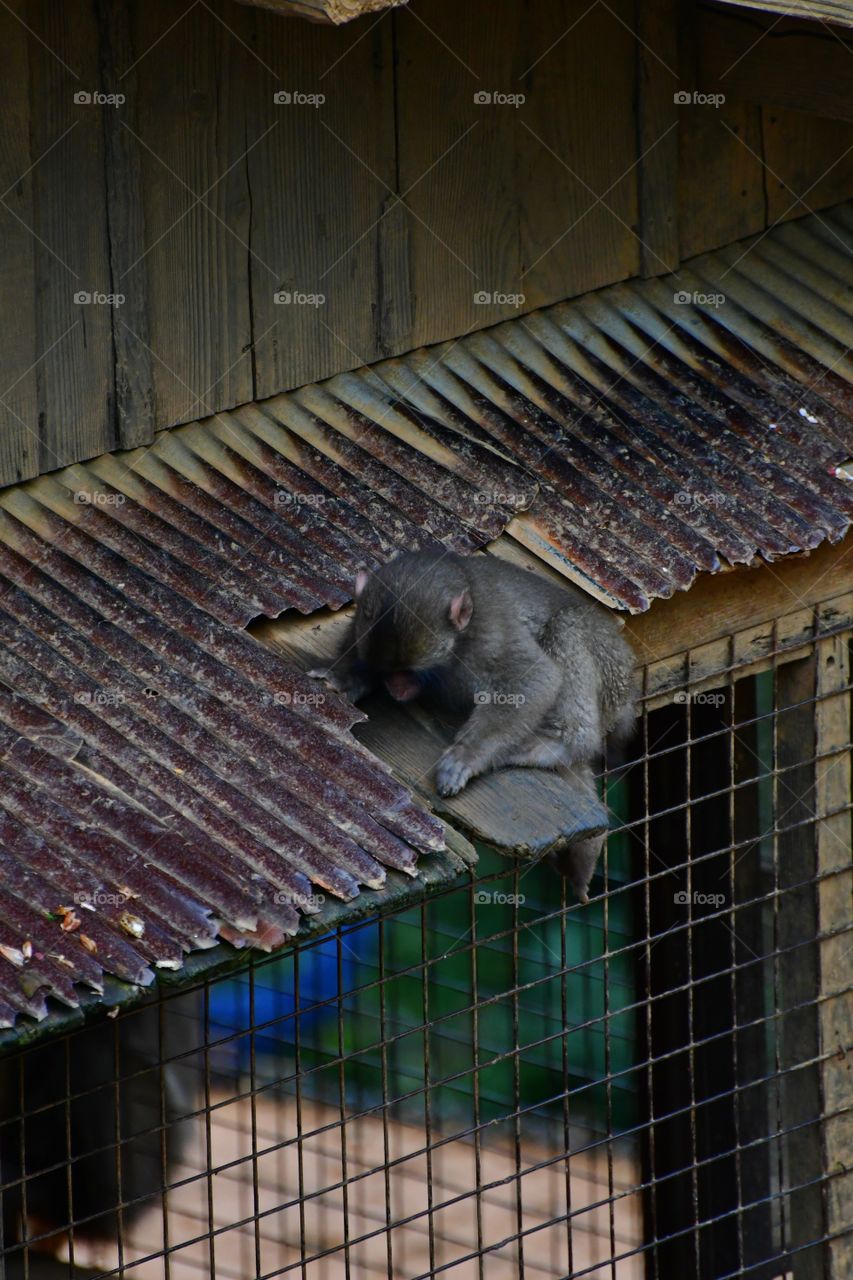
163, 768
166, 780
277, 505
669, 437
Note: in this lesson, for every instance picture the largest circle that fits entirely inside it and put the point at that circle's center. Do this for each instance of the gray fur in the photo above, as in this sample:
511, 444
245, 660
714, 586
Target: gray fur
543, 672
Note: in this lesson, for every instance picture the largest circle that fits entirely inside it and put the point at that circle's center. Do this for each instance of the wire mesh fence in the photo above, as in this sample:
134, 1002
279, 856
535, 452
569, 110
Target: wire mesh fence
497, 1081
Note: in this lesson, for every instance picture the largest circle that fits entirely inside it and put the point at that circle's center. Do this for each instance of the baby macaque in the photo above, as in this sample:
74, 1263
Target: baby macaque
543, 672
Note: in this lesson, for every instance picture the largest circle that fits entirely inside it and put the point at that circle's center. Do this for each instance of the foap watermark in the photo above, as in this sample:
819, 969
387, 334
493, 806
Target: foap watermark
95, 98
99, 698
296, 298
695, 98
308, 902
84, 499
487, 298
298, 698
497, 98
685, 899
498, 698
284, 498
87, 298
695, 498
497, 898
708, 698
296, 98
95, 898
686, 298
500, 498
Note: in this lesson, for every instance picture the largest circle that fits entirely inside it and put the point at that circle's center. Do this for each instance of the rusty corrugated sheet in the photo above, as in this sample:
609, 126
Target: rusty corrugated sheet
669, 437
165, 780
277, 505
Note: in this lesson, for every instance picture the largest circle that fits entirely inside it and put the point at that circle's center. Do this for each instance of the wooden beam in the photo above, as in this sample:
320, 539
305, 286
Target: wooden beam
332, 12
718, 605
775, 61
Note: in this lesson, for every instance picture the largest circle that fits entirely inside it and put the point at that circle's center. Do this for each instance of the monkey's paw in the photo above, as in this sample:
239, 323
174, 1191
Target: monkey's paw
452, 773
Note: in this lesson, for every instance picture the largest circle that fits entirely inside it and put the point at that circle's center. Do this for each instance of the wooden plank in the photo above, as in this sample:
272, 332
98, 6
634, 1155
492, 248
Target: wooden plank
576, 181
19, 454
73, 338
719, 604
333, 11
324, 213
809, 163
840, 11
832, 813
720, 175
511, 196
657, 134
192, 82
134, 374
756, 58
798, 965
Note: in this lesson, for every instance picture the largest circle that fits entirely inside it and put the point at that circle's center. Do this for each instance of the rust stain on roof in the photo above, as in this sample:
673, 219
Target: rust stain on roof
167, 781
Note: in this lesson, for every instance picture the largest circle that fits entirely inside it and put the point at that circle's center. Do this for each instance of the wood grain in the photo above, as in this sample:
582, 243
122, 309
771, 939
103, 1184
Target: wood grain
19, 427
192, 78
73, 349
322, 183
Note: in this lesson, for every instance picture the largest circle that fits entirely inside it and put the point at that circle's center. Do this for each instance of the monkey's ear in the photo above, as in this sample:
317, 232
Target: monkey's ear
461, 609
360, 583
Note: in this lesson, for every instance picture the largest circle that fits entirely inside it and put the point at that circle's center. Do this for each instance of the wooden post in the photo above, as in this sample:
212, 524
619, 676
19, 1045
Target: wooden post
832, 812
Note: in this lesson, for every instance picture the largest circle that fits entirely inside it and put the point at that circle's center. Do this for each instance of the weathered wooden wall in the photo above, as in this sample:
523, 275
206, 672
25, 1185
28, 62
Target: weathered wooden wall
399, 199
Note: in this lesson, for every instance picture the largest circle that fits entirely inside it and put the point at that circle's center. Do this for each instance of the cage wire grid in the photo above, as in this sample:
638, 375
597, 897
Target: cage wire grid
497, 1081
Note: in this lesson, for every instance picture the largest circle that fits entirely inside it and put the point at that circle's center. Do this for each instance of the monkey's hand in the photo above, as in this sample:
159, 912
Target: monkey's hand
453, 771
350, 683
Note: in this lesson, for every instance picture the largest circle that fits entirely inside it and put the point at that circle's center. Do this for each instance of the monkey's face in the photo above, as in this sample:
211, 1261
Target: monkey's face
404, 636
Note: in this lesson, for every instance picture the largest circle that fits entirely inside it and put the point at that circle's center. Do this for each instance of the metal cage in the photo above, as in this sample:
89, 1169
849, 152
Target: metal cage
499, 1082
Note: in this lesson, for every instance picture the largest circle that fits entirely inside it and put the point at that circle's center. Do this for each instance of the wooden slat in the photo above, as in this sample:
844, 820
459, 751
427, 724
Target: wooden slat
192, 77
657, 134
512, 206
577, 182
134, 373
758, 58
73, 341
720, 604
720, 175
19, 454
832, 812
321, 181
328, 11
809, 163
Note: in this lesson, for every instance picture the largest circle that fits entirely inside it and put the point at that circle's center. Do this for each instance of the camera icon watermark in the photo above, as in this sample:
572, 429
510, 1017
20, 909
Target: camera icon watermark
497, 898
496, 98
285, 498
695, 98
708, 698
296, 98
686, 298
488, 298
84, 499
296, 298
85, 98
685, 899
298, 698
87, 298
498, 698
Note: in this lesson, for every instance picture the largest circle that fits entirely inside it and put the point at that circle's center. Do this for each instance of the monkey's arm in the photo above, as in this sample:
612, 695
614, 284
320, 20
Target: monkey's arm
346, 673
505, 715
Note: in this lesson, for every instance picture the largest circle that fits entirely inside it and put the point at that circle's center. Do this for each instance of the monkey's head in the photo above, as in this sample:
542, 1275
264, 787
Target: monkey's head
409, 619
